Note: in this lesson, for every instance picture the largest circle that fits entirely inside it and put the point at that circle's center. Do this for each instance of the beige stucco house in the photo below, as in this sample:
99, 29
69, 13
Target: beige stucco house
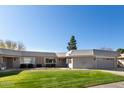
79, 59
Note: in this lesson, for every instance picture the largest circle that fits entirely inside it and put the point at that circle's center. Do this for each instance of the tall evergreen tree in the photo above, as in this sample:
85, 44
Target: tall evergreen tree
72, 44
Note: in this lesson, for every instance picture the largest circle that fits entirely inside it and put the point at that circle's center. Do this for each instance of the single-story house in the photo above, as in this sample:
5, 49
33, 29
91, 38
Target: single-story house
79, 59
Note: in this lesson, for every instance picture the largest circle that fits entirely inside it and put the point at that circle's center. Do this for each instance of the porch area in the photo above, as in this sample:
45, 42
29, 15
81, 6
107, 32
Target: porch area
8, 62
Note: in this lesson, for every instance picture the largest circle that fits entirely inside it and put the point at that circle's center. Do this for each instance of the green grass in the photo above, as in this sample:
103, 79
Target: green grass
56, 78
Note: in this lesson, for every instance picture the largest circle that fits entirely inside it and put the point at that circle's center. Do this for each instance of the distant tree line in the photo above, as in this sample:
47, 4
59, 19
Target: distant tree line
8, 44
120, 50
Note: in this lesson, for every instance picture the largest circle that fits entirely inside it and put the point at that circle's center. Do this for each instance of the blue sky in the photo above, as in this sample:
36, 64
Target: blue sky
48, 28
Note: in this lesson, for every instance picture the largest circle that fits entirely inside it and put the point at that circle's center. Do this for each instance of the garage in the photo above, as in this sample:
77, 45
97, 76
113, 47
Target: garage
104, 63
84, 62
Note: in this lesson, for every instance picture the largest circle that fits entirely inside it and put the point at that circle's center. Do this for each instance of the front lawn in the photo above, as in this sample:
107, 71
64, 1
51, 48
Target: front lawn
56, 78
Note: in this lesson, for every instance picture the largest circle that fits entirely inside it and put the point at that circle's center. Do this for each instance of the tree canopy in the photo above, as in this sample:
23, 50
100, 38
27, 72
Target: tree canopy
8, 44
72, 44
120, 50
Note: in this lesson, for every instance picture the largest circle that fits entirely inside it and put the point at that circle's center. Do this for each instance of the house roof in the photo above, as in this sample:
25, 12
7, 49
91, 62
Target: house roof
91, 52
63, 54
121, 56
108, 53
79, 53
24, 53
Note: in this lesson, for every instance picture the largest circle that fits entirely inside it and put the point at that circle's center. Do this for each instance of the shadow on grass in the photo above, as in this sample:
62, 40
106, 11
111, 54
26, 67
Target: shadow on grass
9, 73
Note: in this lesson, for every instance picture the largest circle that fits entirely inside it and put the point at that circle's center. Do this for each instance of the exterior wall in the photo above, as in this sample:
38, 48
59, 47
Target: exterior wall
1, 61
61, 62
84, 62
116, 63
40, 60
16, 63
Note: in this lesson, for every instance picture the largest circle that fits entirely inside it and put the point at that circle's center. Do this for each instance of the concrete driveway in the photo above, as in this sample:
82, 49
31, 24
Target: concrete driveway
112, 85
121, 73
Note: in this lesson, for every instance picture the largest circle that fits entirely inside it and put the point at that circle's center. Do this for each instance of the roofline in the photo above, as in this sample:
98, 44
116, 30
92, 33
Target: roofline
24, 51
80, 56
53, 53
104, 50
57, 52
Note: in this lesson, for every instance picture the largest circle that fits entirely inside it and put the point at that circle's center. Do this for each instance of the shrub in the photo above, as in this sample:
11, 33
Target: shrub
53, 65
30, 65
23, 66
47, 65
39, 65
50, 65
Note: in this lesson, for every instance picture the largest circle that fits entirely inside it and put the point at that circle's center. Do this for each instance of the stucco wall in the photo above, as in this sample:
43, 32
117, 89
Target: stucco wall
1, 61
61, 62
16, 63
39, 60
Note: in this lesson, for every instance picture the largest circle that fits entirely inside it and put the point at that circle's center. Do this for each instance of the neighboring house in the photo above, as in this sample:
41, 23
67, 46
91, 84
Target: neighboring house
121, 60
79, 59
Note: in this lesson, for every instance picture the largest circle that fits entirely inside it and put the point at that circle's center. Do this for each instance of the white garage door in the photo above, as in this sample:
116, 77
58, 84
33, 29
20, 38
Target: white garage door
105, 63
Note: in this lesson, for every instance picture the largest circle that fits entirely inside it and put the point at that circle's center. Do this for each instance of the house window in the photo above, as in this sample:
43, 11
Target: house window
50, 62
28, 60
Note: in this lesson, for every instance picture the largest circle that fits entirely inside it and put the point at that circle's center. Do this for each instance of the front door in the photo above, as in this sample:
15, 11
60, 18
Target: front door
70, 62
